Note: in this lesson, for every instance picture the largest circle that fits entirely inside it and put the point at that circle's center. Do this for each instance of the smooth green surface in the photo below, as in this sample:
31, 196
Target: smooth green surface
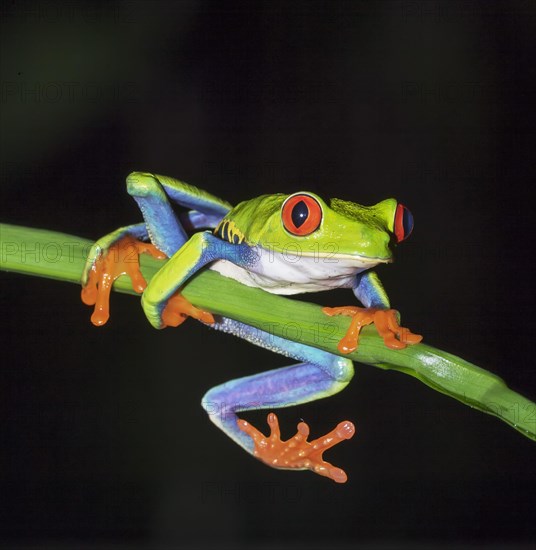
62, 257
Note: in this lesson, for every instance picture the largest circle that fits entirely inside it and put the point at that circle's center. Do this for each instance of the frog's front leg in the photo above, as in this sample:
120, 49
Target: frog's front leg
117, 253
320, 375
160, 301
110, 257
370, 292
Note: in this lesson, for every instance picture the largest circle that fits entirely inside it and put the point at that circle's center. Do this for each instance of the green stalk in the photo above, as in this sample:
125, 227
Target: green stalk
62, 257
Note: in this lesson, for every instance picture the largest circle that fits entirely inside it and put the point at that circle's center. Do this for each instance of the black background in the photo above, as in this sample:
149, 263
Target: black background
103, 439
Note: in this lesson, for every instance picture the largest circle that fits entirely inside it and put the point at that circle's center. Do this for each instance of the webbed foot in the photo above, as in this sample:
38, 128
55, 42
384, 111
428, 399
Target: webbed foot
121, 258
385, 320
298, 453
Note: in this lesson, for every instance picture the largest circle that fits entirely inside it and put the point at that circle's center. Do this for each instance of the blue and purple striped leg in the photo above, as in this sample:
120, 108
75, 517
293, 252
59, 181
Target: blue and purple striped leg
153, 193
319, 375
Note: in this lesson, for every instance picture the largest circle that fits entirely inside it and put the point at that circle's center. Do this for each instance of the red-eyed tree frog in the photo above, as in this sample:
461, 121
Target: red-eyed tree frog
334, 244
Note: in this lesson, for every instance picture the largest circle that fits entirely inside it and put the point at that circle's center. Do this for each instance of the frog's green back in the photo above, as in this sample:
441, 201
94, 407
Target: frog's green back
249, 220
380, 215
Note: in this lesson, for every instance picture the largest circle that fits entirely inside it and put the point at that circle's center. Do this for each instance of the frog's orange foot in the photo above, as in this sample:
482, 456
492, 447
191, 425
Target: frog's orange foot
385, 320
179, 308
298, 453
122, 258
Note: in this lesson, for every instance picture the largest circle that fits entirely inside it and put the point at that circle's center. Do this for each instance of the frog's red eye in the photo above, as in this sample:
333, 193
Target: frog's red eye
403, 223
301, 215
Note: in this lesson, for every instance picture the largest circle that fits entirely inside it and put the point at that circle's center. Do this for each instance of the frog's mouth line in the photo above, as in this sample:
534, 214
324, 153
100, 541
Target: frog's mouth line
334, 257
355, 257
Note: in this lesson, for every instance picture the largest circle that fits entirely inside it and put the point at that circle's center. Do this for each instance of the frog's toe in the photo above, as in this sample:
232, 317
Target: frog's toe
178, 309
360, 318
345, 430
337, 475
394, 335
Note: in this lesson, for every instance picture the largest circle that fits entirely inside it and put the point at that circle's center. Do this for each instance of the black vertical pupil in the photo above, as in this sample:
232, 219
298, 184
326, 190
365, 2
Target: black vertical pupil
300, 212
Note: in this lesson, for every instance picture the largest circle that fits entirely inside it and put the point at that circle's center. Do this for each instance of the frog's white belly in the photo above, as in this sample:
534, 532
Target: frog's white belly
295, 273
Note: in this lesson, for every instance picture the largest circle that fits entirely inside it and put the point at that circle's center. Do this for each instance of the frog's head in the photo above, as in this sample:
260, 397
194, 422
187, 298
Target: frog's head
341, 229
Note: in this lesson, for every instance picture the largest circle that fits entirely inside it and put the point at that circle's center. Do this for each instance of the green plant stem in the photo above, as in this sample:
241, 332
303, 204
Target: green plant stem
62, 257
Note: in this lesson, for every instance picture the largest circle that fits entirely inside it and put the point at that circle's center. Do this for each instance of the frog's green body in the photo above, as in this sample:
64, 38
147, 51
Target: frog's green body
284, 244
349, 240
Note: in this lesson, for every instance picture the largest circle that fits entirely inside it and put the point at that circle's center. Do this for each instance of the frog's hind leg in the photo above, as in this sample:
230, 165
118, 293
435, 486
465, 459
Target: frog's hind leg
319, 375
154, 194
